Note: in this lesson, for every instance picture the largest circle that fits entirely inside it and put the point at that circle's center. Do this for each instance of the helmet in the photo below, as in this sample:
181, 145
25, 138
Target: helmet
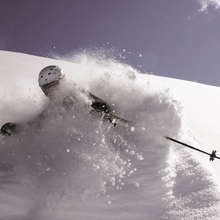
50, 74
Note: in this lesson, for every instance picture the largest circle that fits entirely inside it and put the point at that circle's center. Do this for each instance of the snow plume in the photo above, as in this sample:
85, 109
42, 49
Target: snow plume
73, 165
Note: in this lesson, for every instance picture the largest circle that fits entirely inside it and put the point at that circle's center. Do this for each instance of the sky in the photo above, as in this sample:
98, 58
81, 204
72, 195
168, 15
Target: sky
177, 39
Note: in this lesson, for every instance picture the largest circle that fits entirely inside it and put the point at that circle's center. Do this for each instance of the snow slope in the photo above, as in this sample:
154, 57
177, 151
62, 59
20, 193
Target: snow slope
78, 167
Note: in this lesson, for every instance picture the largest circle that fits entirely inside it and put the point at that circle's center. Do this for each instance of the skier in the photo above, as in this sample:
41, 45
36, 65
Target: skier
212, 155
51, 79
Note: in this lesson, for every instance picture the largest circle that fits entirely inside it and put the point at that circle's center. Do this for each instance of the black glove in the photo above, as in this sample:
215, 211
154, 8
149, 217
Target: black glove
100, 107
8, 129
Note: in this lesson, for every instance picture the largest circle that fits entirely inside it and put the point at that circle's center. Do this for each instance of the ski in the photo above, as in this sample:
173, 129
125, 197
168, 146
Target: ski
115, 119
212, 155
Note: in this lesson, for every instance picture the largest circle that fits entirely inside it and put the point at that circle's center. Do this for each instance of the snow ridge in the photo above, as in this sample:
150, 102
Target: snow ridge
77, 166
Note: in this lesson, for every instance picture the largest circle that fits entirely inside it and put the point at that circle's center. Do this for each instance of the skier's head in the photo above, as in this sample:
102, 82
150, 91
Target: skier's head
49, 79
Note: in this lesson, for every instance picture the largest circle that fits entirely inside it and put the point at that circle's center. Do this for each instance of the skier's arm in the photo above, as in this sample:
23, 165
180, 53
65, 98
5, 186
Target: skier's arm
10, 128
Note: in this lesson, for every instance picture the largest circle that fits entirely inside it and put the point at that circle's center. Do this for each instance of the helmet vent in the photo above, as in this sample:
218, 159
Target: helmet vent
49, 73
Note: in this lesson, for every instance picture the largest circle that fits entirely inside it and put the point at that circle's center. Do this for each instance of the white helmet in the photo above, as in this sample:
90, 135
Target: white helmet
50, 74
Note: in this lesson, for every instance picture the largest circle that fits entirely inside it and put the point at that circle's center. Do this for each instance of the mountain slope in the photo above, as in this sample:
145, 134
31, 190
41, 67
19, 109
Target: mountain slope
78, 167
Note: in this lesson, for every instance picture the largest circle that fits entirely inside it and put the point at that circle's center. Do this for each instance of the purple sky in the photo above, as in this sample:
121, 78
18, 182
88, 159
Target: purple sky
178, 39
